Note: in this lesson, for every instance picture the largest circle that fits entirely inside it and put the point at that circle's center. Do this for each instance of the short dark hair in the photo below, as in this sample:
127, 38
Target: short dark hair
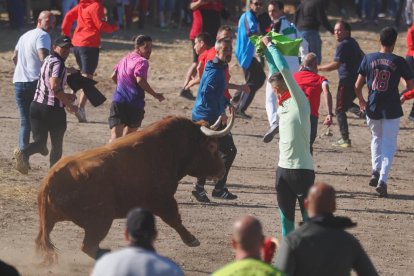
206, 38
141, 39
346, 25
388, 36
225, 28
278, 78
277, 3
140, 225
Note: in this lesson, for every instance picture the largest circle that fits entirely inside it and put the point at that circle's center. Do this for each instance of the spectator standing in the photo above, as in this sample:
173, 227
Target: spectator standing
30, 51
86, 40
15, 10
209, 105
281, 25
206, 19
47, 110
347, 58
308, 17
410, 58
313, 85
139, 257
165, 10
130, 76
245, 52
247, 243
295, 173
321, 246
382, 72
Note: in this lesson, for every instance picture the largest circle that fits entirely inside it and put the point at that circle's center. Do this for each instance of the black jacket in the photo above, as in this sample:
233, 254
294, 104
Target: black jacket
321, 247
310, 15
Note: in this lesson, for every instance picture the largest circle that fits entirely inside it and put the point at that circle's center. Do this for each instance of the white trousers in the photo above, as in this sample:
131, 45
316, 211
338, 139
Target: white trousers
383, 144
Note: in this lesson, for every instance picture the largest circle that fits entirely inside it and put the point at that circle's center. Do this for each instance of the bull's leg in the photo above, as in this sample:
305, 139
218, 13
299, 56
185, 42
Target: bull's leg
170, 215
95, 231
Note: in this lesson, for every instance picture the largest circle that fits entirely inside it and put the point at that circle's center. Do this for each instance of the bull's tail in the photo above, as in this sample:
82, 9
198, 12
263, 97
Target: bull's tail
44, 245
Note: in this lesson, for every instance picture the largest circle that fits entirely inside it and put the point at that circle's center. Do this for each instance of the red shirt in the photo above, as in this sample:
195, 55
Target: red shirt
410, 41
409, 94
89, 15
311, 85
210, 54
197, 26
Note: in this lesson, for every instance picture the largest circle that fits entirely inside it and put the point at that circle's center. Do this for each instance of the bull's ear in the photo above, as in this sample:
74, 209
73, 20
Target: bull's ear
212, 146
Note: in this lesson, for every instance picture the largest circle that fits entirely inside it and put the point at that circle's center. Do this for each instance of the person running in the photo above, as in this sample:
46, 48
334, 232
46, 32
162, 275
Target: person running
295, 172
245, 53
128, 101
313, 85
280, 24
86, 39
410, 59
347, 58
382, 72
29, 54
47, 110
209, 105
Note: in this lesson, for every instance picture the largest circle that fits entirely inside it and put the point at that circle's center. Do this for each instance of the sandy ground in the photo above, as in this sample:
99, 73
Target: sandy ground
385, 226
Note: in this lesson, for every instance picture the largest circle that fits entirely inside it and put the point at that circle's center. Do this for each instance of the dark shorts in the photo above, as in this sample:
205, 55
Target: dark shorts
195, 56
87, 59
124, 114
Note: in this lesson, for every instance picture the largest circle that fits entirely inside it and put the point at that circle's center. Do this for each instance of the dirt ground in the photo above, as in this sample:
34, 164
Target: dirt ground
385, 226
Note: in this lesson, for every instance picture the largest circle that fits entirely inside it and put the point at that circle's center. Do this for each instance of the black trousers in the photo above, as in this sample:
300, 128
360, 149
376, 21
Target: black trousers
410, 61
255, 78
344, 100
47, 119
314, 131
229, 151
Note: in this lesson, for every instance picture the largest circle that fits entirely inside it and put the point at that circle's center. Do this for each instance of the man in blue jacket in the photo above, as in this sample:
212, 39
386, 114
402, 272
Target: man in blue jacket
209, 105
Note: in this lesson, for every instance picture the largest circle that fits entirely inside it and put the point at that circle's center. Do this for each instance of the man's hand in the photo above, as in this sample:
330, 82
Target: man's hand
362, 105
328, 120
224, 119
159, 96
72, 108
266, 40
402, 99
70, 97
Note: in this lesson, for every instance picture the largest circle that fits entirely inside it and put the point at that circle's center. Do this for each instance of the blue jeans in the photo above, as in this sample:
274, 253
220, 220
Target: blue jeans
315, 42
24, 92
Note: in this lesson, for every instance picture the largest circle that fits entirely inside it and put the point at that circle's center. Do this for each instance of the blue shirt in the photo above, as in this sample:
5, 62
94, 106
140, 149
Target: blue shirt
210, 102
248, 25
383, 72
349, 54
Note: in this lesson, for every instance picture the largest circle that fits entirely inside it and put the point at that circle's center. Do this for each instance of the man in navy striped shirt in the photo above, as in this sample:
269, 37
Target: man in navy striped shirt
47, 111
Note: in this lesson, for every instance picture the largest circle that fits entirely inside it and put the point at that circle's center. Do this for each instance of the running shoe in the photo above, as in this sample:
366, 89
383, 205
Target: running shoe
223, 194
343, 143
382, 189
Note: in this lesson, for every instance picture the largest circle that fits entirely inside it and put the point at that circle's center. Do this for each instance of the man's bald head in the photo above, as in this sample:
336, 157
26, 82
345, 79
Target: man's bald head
248, 234
46, 21
321, 200
311, 61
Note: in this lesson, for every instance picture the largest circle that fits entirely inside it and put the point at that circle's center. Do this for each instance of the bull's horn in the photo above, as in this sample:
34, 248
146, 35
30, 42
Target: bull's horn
223, 132
216, 124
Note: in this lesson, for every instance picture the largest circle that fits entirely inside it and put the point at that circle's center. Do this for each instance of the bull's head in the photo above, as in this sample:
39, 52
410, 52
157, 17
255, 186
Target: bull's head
208, 162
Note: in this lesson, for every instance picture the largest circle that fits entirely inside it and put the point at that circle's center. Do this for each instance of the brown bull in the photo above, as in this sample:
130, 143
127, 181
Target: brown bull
96, 186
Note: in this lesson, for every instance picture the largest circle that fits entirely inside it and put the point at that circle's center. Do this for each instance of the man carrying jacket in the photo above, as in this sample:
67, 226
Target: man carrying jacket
86, 40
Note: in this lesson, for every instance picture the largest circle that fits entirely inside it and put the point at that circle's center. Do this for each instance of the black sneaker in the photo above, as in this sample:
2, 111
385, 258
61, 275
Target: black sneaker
373, 182
271, 132
44, 151
200, 195
382, 189
242, 115
186, 93
224, 194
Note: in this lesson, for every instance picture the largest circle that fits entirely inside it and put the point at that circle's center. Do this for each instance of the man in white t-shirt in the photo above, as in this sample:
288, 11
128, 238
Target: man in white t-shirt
31, 49
139, 258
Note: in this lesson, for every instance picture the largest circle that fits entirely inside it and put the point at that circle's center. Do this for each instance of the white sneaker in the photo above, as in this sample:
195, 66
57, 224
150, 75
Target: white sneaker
81, 115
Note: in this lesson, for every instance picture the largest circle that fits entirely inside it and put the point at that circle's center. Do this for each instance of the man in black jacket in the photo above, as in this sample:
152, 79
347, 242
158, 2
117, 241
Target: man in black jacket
321, 246
308, 17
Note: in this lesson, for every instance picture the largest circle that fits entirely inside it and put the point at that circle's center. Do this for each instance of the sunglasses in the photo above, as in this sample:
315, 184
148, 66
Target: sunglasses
258, 4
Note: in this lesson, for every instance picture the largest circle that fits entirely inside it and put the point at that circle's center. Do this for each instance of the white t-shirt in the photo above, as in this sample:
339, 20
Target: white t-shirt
135, 261
28, 62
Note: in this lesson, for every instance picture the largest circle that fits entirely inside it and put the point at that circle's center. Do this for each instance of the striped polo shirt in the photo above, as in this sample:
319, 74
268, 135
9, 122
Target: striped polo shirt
53, 66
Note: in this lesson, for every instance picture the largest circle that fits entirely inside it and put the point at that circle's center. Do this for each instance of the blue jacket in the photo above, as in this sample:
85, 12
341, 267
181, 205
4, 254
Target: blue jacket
245, 50
210, 102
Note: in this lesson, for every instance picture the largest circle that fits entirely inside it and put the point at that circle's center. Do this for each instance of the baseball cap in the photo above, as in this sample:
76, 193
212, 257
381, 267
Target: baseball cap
63, 41
140, 224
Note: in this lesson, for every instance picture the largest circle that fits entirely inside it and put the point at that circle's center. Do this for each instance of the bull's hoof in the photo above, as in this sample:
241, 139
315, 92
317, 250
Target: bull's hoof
193, 242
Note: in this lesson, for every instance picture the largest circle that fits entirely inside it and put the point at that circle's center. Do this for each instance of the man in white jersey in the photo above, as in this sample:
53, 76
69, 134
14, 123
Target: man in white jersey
31, 50
280, 25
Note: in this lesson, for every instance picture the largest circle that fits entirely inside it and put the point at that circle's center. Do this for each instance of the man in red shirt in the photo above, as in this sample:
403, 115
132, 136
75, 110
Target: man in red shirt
313, 85
86, 39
